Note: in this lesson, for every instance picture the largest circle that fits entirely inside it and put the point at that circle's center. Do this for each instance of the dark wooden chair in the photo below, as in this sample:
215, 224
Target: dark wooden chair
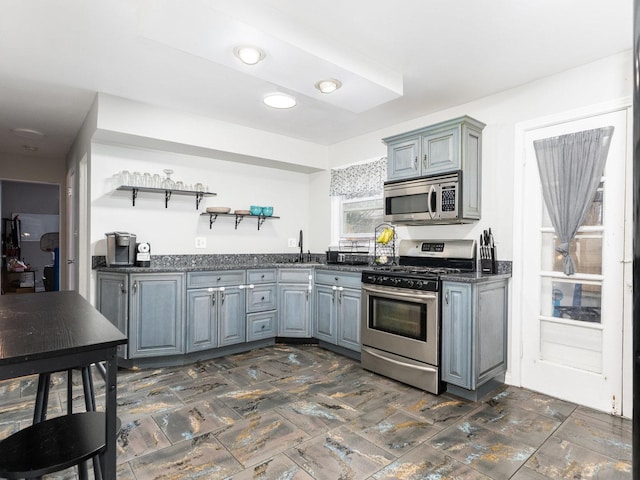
53, 445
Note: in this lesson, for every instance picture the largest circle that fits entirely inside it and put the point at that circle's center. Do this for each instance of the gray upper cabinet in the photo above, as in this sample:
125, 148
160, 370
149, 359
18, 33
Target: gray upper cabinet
156, 324
337, 308
445, 147
294, 302
474, 332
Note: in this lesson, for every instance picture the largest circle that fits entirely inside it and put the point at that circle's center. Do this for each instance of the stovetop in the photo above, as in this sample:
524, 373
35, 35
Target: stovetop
422, 262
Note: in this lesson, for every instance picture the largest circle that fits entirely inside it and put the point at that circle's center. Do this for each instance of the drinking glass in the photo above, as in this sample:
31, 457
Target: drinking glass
137, 179
125, 177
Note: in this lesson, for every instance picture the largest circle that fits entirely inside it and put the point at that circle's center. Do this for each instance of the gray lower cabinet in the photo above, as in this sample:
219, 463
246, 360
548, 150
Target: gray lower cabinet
156, 316
337, 308
294, 302
474, 332
216, 309
113, 302
262, 304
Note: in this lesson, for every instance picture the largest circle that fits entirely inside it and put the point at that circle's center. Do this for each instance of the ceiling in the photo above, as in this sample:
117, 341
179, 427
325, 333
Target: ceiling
397, 60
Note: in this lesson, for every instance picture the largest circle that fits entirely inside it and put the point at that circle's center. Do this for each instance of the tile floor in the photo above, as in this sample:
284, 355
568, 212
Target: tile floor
301, 412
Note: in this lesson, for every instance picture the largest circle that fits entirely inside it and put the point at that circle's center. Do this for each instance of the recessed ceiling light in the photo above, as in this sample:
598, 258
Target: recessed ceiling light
27, 133
280, 100
328, 85
29, 148
249, 55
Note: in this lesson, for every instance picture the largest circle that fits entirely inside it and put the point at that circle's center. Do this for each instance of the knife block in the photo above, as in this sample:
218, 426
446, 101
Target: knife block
488, 261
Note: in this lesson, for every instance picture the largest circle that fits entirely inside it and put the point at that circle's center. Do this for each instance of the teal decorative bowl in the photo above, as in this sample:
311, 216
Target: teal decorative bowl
267, 211
255, 210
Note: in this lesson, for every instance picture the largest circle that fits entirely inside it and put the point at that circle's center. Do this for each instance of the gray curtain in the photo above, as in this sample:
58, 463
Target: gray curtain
362, 180
571, 168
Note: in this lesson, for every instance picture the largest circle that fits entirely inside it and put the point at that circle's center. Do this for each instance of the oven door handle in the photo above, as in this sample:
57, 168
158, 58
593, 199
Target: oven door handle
400, 293
403, 364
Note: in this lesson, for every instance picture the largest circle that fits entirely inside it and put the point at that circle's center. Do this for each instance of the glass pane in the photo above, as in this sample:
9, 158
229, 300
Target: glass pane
573, 300
398, 317
594, 216
586, 250
361, 217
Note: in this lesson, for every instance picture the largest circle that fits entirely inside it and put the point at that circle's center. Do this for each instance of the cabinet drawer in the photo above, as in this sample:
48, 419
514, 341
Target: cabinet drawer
261, 298
215, 279
262, 276
340, 279
294, 275
261, 325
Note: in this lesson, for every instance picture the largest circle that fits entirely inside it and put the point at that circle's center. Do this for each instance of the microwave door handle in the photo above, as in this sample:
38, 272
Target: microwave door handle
432, 191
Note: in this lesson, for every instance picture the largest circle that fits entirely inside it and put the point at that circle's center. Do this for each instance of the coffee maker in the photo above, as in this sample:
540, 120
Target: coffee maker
121, 249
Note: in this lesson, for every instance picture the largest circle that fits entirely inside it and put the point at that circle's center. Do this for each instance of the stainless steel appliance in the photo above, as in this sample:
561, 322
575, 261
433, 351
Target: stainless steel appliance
121, 249
401, 310
434, 199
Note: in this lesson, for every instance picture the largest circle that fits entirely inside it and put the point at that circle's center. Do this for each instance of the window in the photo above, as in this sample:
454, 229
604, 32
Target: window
359, 217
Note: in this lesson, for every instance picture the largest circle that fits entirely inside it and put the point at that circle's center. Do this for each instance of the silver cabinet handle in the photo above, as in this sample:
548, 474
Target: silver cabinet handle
424, 161
135, 286
122, 289
446, 297
340, 289
415, 163
213, 299
222, 297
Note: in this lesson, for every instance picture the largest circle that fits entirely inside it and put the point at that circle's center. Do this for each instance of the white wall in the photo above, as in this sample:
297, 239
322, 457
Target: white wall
173, 230
599, 82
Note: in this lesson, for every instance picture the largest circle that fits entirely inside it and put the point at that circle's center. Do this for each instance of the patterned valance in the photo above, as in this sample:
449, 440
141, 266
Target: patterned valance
361, 180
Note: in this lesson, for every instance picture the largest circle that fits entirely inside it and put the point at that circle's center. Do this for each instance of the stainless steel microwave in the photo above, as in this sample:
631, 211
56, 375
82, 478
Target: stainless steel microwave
424, 200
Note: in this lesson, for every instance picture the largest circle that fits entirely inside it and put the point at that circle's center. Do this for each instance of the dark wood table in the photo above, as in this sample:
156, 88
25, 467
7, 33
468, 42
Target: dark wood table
55, 331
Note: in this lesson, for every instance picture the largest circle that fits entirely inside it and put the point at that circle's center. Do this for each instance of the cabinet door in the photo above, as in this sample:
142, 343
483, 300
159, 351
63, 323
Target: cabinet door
294, 309
156, 322
232, 323
325, 309
491, 330
403, 159
349, 314
112, 302
441, 151
202, 331
457, 334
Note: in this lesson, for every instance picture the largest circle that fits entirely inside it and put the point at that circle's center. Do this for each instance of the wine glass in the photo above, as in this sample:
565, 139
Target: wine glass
168, 183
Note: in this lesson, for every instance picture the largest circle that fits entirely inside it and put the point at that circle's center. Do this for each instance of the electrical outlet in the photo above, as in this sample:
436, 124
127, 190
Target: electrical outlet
293, 242
201, 242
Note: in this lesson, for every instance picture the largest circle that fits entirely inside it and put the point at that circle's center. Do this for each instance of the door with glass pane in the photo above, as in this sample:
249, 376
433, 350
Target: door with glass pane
572, 326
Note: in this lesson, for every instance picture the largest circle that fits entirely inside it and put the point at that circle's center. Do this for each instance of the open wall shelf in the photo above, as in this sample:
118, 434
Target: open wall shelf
167, 193
239, 217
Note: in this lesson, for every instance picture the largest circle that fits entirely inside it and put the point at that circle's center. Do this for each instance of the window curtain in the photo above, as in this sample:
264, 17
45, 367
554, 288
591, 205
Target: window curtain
362, 180
571, 168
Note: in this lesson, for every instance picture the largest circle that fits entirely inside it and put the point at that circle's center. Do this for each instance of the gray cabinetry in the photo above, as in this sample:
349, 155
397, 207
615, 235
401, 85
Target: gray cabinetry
337, 308
294, 302
156, 317
262, 304
445, 147
215, 309
474, 334
113, 302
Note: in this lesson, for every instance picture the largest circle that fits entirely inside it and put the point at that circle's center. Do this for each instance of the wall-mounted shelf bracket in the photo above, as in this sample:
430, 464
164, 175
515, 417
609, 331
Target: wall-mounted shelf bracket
238, 218
167, 194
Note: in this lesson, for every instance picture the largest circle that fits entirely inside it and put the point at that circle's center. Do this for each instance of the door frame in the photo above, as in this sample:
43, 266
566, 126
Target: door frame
514, 373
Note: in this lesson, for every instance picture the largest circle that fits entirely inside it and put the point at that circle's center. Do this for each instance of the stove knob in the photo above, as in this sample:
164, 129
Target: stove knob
419, 284
379, 280
410, 283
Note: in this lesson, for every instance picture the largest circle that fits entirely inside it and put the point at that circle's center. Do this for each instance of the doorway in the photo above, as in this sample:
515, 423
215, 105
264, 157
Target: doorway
571, 328
37, 208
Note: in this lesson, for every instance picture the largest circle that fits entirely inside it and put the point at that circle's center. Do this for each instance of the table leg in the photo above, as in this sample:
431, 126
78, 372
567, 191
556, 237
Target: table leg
109, 457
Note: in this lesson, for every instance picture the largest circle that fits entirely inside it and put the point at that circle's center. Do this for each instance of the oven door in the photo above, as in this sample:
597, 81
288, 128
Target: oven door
401, 321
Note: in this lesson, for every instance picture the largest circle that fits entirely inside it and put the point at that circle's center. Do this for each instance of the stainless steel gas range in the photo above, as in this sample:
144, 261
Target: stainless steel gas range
401, 310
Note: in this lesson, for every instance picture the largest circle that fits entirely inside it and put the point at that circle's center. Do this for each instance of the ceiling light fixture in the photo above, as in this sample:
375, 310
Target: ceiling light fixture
280, 100
27, 133
328, 85
249, 55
